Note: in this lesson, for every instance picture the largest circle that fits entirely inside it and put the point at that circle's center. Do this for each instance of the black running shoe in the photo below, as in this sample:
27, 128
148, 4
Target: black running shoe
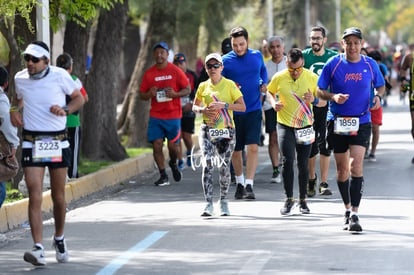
162, 181
175, 171
346, 219
324, 189
240, 192
304, 209
311, 186
287, 207
354, 225
249, 192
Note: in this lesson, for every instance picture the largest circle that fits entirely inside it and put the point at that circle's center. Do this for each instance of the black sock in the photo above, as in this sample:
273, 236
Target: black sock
356, 190
162, 173
344, 190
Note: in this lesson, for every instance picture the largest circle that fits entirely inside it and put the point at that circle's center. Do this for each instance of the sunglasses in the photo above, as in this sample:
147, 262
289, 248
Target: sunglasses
28, 57
300, 69
215, 66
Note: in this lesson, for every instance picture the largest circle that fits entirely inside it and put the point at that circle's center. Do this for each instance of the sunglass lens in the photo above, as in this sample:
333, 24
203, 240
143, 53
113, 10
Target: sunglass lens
28, 57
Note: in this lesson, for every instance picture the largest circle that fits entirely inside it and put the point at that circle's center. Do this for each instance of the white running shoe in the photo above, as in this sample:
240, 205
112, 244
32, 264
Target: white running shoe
62, 255
36, 256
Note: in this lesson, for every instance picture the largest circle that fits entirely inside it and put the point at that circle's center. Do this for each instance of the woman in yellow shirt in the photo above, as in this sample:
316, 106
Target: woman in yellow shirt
216, 99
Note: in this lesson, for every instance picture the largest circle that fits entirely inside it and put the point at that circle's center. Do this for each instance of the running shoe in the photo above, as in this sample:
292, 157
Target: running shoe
240, 192
276, 177
209, 210
175, 171
324, 189
181, 165
346, 219
412, 161
36, 256
61, 248
372, 158
311, 186
162, 181
289, 204
249, 192
224, 208
304, 209
354, 225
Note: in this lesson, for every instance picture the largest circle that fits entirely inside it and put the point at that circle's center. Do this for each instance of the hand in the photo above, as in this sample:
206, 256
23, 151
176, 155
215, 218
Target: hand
308, 97
169, 92
216, 105
340, 98
16, 119
57, 110
278, 106
377, 103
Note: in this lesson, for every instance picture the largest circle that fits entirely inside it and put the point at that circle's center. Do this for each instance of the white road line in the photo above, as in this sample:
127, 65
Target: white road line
122, 259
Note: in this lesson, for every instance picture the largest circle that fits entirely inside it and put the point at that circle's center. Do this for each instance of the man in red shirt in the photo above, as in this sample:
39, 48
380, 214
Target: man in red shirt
164, 84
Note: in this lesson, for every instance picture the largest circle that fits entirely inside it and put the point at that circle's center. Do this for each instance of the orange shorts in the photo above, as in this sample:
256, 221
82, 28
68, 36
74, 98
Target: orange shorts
376, 116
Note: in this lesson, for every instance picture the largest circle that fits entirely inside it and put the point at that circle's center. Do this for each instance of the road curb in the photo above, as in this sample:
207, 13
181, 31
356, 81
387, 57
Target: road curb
12, 215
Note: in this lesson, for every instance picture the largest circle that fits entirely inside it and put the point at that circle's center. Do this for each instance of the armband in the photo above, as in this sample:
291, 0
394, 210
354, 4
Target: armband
315, 101
14, 109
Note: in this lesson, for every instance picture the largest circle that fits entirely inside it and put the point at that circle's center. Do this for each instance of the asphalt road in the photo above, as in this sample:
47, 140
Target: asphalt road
144, 229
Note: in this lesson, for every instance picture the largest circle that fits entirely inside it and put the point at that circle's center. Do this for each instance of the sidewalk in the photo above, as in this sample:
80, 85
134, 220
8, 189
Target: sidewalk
12, 215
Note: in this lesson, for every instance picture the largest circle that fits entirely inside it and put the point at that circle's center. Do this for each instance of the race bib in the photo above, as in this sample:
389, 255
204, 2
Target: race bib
305, 136
47, 149
162, 97
347, 126
215, 133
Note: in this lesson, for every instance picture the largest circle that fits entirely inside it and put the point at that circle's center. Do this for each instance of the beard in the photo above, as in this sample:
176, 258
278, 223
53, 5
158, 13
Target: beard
316, 47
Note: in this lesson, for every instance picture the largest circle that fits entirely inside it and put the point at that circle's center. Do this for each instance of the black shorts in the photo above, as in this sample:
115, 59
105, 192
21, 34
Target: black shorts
270, 120
341, 143
187, 124
319, 126
27, 153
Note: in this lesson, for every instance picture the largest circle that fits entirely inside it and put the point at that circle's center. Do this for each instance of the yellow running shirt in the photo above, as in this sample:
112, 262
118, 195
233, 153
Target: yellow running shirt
225, 91
295, 112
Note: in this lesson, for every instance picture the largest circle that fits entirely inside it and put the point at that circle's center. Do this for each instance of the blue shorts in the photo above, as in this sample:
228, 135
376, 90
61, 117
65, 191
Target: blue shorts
164, 128
248, 129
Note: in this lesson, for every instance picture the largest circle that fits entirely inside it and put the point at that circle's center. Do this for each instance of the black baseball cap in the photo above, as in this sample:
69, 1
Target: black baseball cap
352, 31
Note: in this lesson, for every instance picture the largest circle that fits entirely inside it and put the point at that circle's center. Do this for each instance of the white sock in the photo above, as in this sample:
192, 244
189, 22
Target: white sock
240, 179
39, 245
249, 181
354, 213
59, 238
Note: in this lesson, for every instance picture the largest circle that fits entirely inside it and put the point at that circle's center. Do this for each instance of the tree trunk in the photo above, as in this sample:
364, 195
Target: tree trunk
100, 140
76, 44
132, 46
134, 121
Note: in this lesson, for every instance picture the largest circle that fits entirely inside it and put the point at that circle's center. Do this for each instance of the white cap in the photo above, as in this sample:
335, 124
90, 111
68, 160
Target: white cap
36, 51
215, 56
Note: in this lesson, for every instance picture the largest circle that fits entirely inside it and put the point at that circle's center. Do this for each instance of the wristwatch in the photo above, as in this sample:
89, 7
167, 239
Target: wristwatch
66, 109
226, 106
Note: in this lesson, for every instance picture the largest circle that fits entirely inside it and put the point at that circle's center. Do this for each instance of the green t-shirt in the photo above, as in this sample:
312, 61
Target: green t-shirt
225, 91
314, 62
295, 112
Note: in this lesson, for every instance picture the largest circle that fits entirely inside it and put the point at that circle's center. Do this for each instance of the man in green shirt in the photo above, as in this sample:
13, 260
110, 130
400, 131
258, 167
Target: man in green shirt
315, 58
